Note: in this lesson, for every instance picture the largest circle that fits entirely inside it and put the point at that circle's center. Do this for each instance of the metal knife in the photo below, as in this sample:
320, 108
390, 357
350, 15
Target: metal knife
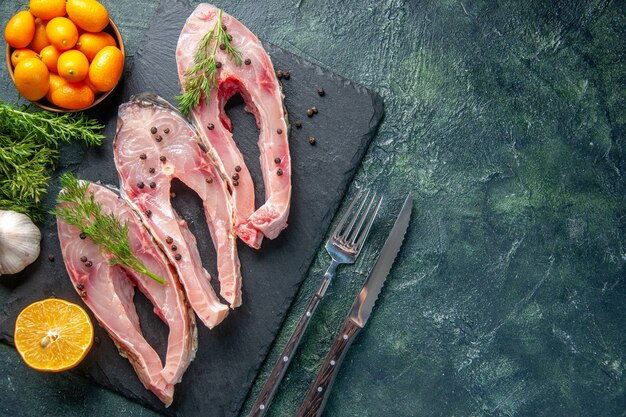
317, 396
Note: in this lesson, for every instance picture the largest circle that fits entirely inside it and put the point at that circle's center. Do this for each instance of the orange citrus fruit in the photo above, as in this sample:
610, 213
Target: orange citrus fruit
50, 55
73, 96
53, 335
62, 33
91, 43
32, 78
40, 40
47, 9
94, 89
55, 82
73, 65
88, 14
106, 68
20, 54
20, 30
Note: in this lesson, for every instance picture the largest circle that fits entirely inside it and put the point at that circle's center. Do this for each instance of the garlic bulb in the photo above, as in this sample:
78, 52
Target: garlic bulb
19, 242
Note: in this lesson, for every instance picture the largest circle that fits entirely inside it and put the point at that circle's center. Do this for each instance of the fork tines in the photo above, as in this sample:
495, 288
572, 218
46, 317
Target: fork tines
361, 213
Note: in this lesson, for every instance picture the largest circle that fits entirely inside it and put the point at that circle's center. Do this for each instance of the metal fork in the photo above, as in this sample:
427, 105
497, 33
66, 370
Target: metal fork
343, 246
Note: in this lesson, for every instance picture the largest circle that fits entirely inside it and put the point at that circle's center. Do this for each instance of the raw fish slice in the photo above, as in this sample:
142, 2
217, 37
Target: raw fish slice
153, 145
259, 87
108, 291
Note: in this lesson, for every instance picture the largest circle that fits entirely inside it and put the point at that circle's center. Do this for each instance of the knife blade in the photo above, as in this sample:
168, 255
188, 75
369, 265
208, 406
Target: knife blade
316, 398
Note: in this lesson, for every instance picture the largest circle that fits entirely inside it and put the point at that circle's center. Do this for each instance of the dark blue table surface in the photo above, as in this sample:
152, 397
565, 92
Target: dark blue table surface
507, 121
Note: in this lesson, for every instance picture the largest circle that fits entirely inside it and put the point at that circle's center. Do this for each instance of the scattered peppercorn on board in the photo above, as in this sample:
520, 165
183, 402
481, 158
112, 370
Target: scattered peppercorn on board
332, 121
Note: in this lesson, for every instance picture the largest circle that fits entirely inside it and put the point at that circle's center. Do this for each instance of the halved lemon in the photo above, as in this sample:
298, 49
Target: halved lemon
53, 335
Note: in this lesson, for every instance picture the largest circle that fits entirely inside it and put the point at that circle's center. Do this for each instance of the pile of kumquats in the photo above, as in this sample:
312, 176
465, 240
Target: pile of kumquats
61, 51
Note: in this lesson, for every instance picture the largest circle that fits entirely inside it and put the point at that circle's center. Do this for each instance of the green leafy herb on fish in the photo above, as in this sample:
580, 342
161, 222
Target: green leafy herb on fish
201, 78
29, 143
105, 230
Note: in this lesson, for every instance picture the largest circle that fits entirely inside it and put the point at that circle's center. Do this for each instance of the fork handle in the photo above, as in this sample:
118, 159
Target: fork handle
268, 391
316, 398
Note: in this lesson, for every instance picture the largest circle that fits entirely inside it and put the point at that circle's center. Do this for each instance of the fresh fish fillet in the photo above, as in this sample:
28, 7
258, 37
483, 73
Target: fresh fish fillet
259, 87
108, 291
153, 145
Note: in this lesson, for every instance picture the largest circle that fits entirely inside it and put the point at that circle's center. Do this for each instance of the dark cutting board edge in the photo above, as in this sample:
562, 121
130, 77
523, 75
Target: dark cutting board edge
349, 116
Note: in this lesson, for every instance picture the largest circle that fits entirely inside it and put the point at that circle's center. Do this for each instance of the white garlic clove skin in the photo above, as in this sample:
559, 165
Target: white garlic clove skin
19, 242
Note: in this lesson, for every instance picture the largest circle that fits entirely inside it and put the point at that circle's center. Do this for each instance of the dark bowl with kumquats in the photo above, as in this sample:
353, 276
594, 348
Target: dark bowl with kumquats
60, 66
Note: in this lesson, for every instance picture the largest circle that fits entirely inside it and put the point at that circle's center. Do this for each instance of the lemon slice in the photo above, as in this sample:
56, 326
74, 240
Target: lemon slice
53, 335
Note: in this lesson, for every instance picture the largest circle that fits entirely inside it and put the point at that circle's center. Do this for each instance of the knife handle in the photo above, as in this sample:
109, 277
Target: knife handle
268, 391
316, 398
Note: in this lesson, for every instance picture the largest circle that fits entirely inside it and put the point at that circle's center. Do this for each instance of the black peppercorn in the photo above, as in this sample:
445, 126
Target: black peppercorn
286, 75
169, 240
83, 235
298, 124
279, 74
247, 61
312, 140
153, 130
321, 92
277, 160
83, 259
51, 258
237, 168
210, 126
80, 287
143, 156
88, 264
279, 172
148, 213
309, 112
166, 130
152, 170
153, 184
218, 64
235, 183
279, 131
209, 180
178, 257
158, 138
235, 177
140, 185
162, 158
222, 46
314, 109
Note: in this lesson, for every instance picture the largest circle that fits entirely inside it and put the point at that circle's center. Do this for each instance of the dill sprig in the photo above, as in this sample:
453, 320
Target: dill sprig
24, 174
29, 143
105, 230
201, 78
49, 127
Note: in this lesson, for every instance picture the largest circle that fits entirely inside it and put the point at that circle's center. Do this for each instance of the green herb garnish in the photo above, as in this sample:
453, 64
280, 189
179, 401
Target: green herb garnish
24, 173
201, 78
49, 127
29, 150
105, 230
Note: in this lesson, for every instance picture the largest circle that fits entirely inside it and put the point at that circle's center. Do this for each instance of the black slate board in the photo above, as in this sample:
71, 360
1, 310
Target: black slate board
229, 356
